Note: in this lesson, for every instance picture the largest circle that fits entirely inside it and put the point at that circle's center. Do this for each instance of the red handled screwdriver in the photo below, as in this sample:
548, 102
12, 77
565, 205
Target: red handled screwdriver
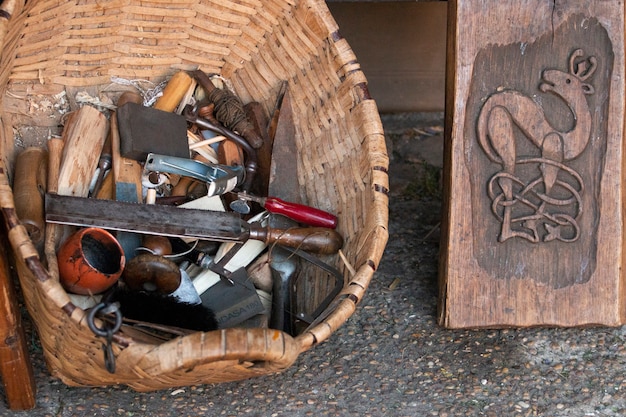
298, 212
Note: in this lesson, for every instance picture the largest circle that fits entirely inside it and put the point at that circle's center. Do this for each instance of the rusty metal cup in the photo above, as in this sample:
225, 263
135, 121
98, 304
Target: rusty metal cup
90, 261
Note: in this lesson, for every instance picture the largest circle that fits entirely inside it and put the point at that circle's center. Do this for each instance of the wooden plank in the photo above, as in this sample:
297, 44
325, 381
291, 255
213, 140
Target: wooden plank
535, 122
400, 46
84, 136
15, 366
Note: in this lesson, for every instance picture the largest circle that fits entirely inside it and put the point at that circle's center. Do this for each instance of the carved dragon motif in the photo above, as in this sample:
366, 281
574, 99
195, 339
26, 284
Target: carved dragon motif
506, 109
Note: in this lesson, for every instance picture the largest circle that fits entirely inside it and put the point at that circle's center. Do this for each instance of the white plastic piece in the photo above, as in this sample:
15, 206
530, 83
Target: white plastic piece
246, 254
213, 203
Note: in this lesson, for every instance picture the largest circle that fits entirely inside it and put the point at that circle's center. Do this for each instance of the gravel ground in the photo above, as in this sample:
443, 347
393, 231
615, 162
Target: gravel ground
391, 358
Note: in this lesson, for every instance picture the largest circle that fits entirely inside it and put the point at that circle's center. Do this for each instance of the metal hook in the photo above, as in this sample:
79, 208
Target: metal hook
106, 331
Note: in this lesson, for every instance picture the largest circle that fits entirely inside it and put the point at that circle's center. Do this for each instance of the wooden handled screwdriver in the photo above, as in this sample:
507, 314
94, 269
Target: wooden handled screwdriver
319, 240
174, 92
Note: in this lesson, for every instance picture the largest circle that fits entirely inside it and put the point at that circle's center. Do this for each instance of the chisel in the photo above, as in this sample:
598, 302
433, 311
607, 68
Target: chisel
126, 175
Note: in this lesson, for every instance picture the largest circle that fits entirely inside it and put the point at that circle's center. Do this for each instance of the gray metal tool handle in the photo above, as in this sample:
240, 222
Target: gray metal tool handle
220, 178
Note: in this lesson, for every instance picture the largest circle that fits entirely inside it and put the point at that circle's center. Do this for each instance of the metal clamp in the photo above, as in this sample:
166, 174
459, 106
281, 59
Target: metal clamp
220, 178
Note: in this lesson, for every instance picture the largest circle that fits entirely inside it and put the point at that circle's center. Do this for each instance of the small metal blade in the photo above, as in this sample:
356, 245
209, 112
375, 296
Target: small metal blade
283, 182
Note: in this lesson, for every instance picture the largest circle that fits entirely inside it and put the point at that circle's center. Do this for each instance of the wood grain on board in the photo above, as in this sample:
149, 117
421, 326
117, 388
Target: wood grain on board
532, 224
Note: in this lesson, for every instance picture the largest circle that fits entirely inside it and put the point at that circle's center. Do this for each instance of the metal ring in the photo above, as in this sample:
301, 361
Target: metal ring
105, 308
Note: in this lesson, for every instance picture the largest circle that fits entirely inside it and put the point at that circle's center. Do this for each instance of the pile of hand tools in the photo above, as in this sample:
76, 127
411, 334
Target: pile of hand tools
183, 216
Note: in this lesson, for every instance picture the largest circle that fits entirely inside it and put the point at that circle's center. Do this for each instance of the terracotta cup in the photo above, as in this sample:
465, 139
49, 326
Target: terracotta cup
90, 261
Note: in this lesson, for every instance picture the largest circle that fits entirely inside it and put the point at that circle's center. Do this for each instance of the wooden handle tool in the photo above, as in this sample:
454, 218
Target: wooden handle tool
29, 189
55, 152
126, 171
319, 240
229, 153
107, 190
258, 117
171, 221
83, 137
229, 110
174, 92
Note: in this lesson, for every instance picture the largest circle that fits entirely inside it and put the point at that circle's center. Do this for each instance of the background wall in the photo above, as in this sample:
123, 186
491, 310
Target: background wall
401, 46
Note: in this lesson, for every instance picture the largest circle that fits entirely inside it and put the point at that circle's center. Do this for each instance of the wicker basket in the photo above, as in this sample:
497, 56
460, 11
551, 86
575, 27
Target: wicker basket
51, 46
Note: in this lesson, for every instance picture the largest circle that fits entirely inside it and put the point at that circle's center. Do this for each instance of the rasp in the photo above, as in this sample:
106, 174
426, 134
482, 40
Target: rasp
180, 222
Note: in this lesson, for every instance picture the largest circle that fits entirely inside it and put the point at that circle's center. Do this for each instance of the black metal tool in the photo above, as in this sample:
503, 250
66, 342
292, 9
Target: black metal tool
104, 165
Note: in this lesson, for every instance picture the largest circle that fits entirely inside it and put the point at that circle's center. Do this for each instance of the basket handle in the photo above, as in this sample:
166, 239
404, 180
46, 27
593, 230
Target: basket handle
18, 236
270, 349
8, 9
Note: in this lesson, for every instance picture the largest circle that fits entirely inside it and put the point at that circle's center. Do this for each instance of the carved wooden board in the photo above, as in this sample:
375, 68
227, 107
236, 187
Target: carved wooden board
534, 164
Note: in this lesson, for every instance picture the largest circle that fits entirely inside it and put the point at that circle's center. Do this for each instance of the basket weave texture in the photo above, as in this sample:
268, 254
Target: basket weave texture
51, 46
